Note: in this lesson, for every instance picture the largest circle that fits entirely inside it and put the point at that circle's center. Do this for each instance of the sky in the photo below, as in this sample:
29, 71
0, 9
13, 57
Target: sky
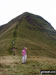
9, 9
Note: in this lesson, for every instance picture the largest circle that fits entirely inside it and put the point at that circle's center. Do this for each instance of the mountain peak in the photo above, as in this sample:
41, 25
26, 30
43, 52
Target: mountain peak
28, 30
26, 14
34, 20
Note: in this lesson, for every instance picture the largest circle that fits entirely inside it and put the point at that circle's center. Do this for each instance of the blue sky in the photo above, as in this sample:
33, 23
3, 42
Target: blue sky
12, 8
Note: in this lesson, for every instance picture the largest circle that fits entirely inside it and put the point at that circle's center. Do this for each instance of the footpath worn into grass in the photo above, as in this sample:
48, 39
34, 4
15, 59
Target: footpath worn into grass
11, 65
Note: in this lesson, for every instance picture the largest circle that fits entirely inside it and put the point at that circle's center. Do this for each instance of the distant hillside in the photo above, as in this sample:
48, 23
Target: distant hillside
31, 31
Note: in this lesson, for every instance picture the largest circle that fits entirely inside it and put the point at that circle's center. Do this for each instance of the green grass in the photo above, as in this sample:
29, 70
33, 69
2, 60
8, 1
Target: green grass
37, 42
11, 65
34, 33
34, 48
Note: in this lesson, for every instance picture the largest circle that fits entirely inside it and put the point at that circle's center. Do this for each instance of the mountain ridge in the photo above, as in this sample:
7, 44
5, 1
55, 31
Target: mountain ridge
24, 15
31, 31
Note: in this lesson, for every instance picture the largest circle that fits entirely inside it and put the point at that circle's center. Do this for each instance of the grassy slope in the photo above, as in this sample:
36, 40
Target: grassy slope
37, 41
41, 45
11, 65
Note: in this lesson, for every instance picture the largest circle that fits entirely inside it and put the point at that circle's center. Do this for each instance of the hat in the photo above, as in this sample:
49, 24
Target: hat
25, 48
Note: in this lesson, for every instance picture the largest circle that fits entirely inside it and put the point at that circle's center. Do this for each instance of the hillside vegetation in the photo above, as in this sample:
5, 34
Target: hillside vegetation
31, 31
35, 33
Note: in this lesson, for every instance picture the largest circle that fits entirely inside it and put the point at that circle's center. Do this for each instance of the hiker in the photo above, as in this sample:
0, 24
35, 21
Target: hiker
14, 51
24, 55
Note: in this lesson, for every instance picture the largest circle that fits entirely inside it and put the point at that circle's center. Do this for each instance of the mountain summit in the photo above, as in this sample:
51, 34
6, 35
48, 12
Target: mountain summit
35, 20
31, 31
31, 18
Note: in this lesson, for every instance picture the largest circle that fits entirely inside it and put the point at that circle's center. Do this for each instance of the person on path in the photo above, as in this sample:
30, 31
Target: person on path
24, 55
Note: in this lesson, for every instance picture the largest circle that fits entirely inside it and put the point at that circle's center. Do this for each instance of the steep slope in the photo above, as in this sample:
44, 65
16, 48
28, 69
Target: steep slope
31, 31
35, 19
